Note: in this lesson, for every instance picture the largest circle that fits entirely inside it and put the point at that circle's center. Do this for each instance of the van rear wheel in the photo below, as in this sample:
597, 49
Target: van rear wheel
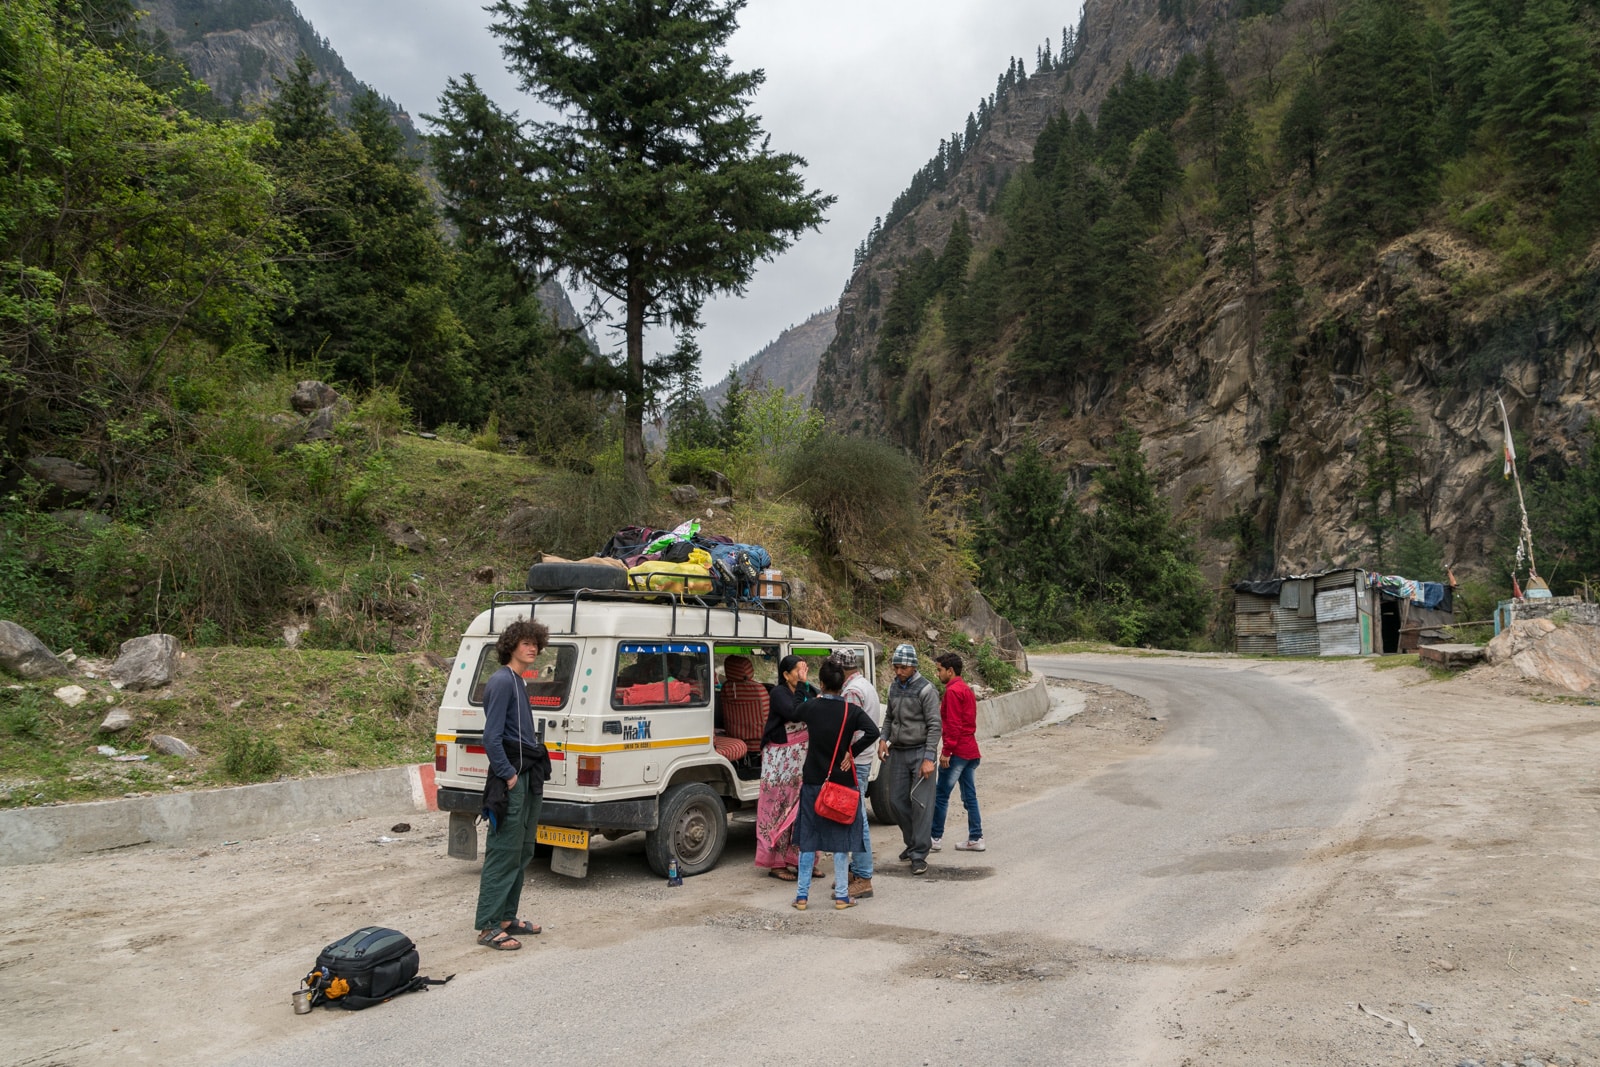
693, 826
882, 806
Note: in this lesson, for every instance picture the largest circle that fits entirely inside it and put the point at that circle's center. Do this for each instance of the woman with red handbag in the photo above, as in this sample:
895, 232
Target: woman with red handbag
826, 821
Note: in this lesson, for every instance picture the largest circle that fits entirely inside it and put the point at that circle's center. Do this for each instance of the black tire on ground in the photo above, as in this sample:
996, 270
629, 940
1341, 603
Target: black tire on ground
556, 577
882, 806
693, 826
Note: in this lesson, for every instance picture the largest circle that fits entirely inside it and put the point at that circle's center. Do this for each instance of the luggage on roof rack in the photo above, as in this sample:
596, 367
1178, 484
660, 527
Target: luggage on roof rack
561, 577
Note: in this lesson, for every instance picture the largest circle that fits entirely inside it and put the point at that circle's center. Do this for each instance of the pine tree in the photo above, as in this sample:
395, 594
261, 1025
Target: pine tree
1304, 129
376, 129
1025, 545
1125, 270
953, 260
1541, 91
652, 183
1142, 571
1381, 121
1239, 185
1281, 324
1388, 458
301, 111
731, 415
1155, 172
371, 276
677, 377
1211, 96
1567, 505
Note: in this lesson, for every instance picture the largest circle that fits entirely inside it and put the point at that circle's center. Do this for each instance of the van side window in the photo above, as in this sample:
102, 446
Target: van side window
548, 681
660, 675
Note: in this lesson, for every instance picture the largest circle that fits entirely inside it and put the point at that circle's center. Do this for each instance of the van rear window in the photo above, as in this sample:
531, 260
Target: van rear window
661, 675
548, 681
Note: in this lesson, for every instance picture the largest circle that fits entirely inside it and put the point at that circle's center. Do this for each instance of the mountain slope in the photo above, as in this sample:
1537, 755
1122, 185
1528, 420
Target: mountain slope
1264, 443
789, 363
238, 48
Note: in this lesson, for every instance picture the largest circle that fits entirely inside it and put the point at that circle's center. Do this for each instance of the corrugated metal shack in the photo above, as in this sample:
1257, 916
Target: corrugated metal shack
1328, 614
1343, 612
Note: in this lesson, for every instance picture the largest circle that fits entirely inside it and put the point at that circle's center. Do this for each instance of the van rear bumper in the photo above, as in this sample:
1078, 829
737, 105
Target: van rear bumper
604, 815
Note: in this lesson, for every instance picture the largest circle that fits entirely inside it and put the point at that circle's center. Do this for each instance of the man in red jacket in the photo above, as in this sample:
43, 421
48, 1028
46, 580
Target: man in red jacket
958, 754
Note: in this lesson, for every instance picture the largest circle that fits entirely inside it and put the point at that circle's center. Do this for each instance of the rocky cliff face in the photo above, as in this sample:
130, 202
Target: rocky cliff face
1229, 435
790, 362
239, 58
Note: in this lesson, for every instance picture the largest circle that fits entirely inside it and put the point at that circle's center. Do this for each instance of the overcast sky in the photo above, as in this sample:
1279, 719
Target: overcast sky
863, 89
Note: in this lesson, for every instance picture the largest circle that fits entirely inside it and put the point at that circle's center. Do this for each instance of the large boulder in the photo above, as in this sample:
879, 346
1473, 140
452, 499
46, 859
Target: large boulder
900, 621
147, 662
313, 396
25, 656
1566, 656
527, 526
405, 536
982, 623
168, 745
67, 480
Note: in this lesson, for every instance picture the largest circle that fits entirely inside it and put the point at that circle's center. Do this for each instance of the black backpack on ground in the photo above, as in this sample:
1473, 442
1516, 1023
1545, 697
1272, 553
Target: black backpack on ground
368, 967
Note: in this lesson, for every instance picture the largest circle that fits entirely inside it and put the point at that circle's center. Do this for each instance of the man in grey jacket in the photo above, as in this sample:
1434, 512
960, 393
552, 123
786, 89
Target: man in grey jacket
910, 745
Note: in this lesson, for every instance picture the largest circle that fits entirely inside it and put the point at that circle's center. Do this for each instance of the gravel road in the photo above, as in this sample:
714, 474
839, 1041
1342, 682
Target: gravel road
1216, 861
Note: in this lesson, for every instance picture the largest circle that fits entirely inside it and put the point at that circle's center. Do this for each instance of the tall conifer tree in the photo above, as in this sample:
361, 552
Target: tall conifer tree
653, 184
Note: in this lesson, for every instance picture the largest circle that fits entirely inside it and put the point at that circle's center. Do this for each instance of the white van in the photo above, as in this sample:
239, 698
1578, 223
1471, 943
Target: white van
625, 699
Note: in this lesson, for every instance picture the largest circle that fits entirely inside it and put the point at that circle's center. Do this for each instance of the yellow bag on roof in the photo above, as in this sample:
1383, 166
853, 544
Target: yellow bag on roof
685, 579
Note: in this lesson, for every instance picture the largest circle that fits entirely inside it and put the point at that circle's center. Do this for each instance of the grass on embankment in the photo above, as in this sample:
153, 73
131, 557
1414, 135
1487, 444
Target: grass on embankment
359, 693
253, 714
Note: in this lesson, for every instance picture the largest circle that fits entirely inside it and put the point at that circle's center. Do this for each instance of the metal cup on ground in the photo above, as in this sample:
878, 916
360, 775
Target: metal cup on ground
302, 1001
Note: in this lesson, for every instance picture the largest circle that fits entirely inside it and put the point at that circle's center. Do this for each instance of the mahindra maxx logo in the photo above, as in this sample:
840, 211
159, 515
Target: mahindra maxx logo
636, 731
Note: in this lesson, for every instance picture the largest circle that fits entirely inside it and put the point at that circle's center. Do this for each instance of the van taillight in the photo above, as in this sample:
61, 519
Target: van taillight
441, 755
588, 770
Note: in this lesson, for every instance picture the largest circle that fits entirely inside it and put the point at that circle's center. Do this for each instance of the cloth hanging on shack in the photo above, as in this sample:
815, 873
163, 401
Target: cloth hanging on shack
1422, 594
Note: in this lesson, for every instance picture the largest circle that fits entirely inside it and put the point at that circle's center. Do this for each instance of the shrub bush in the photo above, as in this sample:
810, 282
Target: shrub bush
23, 713
383, 413
247, 758
593, 507
226, 559
863, 497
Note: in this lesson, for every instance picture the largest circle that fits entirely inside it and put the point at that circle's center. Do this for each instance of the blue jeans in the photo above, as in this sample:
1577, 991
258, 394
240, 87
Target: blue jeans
841, 876
960, 770
861, 862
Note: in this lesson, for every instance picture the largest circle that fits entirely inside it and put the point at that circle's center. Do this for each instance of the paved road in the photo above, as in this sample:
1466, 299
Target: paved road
1072, 941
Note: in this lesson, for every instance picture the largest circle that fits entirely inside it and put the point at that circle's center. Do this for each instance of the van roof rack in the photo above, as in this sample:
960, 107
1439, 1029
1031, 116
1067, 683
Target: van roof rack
776, 613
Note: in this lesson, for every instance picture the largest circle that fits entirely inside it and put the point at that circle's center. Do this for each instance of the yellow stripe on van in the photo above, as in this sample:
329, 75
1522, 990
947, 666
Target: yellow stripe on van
444, 739
635, 746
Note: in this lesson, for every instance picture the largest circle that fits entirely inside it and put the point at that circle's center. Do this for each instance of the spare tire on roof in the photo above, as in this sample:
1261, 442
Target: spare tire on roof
559, 577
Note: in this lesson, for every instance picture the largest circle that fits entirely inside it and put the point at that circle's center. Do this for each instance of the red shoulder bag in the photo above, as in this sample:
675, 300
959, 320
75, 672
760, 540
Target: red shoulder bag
836, 802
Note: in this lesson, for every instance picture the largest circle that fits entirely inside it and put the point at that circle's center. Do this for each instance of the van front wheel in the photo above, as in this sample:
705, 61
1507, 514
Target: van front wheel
693, 826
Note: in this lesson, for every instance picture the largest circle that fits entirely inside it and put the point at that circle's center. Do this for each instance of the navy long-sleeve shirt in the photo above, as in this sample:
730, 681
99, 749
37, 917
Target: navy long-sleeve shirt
506, 717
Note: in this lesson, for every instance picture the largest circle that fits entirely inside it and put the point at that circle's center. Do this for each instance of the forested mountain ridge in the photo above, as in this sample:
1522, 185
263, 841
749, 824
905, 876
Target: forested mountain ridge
1274, 320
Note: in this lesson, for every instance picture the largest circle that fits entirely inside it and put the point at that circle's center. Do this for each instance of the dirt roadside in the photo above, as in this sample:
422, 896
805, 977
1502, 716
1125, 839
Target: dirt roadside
1462, 903
1461, 906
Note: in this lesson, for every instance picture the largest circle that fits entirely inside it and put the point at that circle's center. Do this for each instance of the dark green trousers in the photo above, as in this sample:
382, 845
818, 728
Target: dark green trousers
506, 856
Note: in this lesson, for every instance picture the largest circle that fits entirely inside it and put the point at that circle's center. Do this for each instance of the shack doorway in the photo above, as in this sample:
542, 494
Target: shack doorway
1389, 624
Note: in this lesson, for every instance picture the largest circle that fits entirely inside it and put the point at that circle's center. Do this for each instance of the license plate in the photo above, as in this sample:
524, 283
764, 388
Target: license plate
562, 837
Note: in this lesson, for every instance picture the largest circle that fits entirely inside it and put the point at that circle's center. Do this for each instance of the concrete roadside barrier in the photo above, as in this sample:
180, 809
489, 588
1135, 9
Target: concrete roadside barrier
1012, 711
43, 835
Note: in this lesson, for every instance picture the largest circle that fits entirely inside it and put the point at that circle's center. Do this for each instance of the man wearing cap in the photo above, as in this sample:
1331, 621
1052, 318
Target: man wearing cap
857, 690
910, 743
